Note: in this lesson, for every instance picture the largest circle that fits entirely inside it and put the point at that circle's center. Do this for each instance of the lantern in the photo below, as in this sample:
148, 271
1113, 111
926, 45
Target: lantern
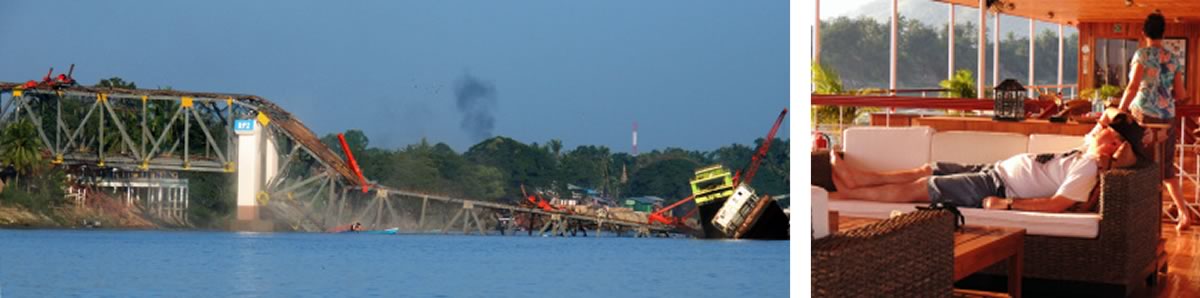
820, 141
1010, 101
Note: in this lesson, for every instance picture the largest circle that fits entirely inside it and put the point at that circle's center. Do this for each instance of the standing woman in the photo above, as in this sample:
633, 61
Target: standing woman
1156, 83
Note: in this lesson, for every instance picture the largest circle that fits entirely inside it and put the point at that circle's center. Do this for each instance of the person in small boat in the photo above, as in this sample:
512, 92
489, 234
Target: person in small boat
1030, 182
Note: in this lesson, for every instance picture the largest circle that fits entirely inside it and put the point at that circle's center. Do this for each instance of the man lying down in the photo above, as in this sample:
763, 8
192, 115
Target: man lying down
1030, 182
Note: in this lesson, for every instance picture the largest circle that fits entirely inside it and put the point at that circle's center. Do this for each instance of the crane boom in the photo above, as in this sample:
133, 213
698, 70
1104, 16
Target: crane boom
762, 151
667, 220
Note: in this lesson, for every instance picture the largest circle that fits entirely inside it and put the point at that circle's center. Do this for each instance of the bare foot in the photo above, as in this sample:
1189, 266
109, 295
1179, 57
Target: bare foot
843, 176
928, 168
1185, 220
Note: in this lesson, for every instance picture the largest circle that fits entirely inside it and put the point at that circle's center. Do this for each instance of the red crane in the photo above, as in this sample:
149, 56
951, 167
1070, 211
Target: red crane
541, 203
362, 181
762, 153
658, 215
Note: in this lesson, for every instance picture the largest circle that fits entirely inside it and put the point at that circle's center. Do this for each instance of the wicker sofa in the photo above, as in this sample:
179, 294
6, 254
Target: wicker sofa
1122, 252
865, 262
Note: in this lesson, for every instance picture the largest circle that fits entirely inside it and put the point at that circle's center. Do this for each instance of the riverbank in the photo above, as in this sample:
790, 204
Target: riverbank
72, 216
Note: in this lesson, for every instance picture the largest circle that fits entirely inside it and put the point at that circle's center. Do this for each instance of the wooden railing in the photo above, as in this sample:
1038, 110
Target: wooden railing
909, 102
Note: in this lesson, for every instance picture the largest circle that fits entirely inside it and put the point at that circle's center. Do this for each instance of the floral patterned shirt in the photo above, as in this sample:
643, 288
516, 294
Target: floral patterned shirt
1154, 97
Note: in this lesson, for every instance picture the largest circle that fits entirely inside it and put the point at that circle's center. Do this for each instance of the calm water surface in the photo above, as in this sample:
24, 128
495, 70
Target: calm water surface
58, 263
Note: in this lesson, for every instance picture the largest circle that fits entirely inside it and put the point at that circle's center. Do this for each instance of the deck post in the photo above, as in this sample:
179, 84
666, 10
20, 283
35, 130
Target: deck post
530, 224
996, 49
421, 219
817, 33
450, 223
467, 220
1060, 57
950, 46
981, 46
1032, 45
564, 225
892, 60
478, 224
545, 226
378, 212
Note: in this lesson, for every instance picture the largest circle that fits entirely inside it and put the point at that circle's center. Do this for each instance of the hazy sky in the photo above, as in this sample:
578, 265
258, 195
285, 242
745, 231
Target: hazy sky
693, 74
834, 8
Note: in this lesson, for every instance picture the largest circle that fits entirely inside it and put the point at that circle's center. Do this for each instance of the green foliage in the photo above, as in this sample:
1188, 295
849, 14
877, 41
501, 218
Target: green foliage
555, 146
587, 166
212, 195
774, 172
961, 86
667, 178
22, 147
826, 80
857, 47
496, 168
116, 82
39, 194
1105, 92
519, 163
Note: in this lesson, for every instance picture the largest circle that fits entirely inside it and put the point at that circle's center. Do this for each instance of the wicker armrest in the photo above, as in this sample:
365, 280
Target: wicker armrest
1130, 202
1129, 231
911, 255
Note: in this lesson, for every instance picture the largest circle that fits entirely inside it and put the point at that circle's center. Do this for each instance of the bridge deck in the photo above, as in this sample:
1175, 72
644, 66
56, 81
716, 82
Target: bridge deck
527, 210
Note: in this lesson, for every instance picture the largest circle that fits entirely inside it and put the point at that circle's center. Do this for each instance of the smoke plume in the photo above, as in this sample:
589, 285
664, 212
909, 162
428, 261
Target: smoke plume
475, 100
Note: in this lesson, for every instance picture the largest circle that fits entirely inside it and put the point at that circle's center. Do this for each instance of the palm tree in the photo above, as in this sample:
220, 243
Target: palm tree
961, 86
21, 147
555, 146
826, 81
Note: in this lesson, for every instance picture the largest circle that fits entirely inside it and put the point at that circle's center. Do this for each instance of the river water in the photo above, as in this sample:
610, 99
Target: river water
94, 263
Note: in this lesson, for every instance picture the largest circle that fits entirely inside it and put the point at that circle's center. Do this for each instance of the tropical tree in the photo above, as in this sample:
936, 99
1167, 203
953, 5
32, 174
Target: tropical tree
521, 164
667, 178
826, 81
22, 148
555, 146
116, 82
961, 86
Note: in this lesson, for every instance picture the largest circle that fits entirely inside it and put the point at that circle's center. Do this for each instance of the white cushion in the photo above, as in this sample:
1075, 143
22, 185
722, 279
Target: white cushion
1073, 225
820, 212
887, 148
1042, 143
976, 147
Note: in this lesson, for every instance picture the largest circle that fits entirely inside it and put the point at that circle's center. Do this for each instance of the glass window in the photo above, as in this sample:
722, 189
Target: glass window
1112, 61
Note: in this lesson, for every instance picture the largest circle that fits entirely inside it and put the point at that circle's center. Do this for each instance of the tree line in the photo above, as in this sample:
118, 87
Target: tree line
496, 168
856, 48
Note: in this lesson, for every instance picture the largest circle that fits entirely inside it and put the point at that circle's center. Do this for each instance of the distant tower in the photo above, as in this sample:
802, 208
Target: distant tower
634, 138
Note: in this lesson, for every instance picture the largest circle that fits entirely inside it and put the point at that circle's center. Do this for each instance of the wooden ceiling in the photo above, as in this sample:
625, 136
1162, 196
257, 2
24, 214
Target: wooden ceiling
1072, 12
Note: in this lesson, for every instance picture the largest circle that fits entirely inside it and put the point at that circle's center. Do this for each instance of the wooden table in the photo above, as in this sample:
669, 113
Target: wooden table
975, 248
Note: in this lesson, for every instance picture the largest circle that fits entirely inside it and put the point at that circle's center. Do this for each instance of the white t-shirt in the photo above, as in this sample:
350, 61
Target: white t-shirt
1071, 176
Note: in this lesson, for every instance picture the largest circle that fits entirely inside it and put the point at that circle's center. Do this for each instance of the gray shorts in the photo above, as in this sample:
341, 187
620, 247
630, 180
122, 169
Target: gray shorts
964, 185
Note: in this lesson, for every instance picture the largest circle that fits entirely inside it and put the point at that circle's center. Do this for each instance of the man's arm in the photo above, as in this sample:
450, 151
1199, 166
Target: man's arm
1056, 204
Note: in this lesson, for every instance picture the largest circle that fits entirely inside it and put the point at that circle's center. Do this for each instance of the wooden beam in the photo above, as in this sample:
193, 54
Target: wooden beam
478, 224
450, 223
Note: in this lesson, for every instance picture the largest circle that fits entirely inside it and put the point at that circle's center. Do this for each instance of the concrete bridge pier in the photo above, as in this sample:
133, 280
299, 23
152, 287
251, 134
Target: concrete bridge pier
256, 164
